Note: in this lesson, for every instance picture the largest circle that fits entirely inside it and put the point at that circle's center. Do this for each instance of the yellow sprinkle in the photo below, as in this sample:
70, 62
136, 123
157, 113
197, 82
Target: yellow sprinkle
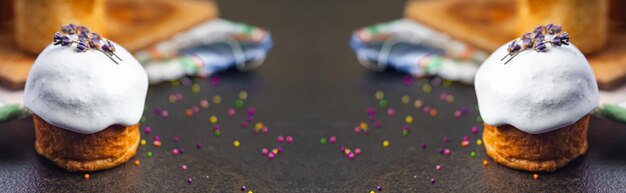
409, 119
427, 88
485, 163
236, 143
143, 142
479, 142
363, 125
406, 99
136, 162
372, 191
195, 88
447, 82
450, 99
250, 191
386, 143
347, 151
172, 98
379, 95
175, 82
213, 119
217, 99
418, 103
243, 95
258, 125
275, 151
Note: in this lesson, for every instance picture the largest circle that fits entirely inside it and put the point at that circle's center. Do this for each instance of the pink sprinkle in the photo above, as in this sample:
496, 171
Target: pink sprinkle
214, 81
165, 114
446, 151
475, 130
371, 111
251, 111
179, 96
407, 80
333, 139
184, 167
289, 139
175, 152
443, 96
244, 124
427, 109
357, 129
438, 167
265, 129
217, 127
231, 112
457, 113
343, 149
405, 127
357, 151
377, 124
271, 155
280, 139
195, 108
446, 139
157, 138
176, 139
465, 138
391, 112
351, 155
279, 148
147, 130
264, 151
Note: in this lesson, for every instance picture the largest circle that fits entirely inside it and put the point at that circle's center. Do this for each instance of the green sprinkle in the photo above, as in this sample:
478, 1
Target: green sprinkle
238, 103
217, 133
405, 132
323, 141
473, 154
149, 154
195, 88
383, 103
479, 119
143, 119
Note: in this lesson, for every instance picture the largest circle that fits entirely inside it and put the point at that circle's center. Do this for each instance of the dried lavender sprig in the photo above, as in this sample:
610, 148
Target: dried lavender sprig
537, 42
84, 40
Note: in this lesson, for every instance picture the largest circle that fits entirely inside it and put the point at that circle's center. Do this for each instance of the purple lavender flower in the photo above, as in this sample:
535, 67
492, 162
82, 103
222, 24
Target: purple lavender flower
68, 29
565, 38
541, 47
556, 41
65, 41
81, 46
57, 38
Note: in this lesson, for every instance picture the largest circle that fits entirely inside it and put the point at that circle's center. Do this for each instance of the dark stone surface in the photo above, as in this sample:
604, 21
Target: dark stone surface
311, 87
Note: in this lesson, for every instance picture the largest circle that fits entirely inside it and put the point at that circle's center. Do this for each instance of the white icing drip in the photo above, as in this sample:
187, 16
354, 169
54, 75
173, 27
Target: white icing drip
86, 92
536, 92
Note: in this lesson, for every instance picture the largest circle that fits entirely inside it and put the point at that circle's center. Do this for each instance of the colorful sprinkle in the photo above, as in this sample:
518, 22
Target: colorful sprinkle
204, 103
217, 99
143, 142
149, 154
333, 139
473, 154
391, 112
437, 167
386, 143
446, 151
418, 103
379, 95
236, 143
184, 167
479, 142
280, 139
175, 151
136, 162
189, 180
535, 176
290, 139
405, 99
427, 88
323, 140
231, 112
243, 95
383, 103
485, 162
408, 119
213, 119
86, 176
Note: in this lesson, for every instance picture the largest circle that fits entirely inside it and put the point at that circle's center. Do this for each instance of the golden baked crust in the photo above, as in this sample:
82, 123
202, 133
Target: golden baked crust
73, 151
36, 20
536, 152
586, 21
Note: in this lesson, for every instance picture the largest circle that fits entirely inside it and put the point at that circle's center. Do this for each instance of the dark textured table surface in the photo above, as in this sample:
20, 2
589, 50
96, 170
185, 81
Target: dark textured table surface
312, 87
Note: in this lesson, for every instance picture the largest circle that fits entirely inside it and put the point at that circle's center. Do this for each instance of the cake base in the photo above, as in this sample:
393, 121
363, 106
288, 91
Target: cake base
73, 151
549, 151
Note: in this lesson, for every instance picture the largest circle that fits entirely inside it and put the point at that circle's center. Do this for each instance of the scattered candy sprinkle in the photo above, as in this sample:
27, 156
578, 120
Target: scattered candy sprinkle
136, 162
386, 143
333, 139
184, 167
535, 176
149, 154
86, 176
473, 154
290, 139
236, 143
379, 95
217, 99
143, 142
408, 119
405, 99
479, 142
323, 141
485, 162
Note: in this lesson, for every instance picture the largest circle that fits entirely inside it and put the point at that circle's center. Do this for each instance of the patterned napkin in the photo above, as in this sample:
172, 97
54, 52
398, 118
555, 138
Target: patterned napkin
412, 48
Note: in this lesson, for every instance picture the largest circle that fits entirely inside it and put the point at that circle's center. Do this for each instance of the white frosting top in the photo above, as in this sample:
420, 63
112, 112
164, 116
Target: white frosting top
536, 92
86, 92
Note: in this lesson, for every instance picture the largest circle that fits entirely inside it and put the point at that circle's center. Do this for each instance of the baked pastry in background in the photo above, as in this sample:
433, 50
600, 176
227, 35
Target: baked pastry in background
535, 95
585, 20
35, 20
87, 95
